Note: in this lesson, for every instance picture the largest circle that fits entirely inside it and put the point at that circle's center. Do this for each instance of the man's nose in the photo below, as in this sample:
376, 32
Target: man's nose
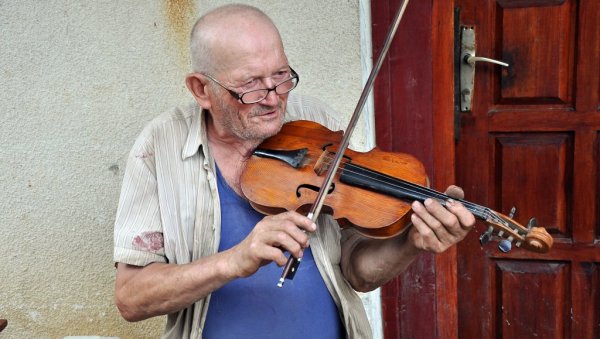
272, 97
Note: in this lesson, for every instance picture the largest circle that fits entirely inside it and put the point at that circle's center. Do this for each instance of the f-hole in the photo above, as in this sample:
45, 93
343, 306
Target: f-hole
313, 188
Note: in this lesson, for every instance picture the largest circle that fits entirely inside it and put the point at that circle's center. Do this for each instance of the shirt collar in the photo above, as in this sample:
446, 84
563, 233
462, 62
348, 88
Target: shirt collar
196, 134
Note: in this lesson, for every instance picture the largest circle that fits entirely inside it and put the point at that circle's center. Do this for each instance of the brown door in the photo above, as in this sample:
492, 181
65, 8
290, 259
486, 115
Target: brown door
530, 139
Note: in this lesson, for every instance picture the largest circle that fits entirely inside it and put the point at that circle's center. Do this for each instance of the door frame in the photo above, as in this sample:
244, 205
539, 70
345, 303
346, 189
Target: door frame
434, 144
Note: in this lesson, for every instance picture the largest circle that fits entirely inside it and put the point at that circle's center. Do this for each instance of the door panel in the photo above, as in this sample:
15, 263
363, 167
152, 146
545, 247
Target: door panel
546, 285
547, 175
532, 141
537, 39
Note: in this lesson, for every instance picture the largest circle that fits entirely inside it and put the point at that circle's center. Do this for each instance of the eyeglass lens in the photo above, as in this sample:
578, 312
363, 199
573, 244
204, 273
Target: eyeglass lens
259, 94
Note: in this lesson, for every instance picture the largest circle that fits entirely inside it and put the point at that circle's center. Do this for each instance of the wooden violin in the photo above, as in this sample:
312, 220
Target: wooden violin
371, 191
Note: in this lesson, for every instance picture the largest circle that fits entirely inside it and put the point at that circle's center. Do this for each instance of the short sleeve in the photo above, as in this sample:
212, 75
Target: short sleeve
138, 233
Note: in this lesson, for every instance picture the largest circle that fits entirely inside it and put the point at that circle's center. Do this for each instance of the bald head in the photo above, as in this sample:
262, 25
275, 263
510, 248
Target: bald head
226, 33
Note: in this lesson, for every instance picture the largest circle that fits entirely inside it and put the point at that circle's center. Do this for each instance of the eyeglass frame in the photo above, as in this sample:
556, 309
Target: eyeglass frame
238, 96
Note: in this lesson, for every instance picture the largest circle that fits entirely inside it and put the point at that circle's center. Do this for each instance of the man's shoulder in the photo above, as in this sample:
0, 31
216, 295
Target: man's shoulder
173, 124
178, 118
304, 107
175, 115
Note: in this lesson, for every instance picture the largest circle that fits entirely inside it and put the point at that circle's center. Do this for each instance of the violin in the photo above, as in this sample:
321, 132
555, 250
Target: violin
371, 191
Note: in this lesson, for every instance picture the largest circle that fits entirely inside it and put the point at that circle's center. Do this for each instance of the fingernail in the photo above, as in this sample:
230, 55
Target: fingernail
450, 202
313, 226
428, 201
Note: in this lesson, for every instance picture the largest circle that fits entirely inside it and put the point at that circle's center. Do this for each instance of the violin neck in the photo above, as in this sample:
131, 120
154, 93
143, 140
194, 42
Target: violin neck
372, 180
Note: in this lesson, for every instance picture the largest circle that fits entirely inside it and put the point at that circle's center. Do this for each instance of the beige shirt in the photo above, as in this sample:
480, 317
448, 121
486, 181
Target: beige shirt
169, 210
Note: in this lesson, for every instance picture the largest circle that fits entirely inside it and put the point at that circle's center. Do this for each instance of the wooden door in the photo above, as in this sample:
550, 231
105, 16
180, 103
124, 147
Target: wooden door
532, 140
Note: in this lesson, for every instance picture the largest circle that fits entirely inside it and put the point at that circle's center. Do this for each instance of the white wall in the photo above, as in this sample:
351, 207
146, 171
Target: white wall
78, 81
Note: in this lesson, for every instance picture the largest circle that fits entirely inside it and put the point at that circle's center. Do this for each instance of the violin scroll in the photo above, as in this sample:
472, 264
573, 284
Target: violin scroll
531, 238
538, 240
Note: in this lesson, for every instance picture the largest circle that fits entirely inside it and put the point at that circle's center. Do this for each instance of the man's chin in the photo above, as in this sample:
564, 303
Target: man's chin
272, 129
260, 131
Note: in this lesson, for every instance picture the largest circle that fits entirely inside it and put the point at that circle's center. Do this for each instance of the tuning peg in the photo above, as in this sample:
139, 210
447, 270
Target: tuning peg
487, 236
532, 223
512, 212
505, 245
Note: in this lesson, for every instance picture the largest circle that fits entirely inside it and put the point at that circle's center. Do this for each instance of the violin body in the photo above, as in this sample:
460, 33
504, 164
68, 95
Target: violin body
273, 185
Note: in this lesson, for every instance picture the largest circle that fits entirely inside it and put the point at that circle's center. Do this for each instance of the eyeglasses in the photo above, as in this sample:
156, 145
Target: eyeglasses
255, 95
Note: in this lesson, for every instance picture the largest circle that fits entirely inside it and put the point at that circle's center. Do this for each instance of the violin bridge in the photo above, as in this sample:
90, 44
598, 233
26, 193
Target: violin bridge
322, 164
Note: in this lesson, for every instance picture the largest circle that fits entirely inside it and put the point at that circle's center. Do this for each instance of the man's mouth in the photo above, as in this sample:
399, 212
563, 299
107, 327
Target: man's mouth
266, 114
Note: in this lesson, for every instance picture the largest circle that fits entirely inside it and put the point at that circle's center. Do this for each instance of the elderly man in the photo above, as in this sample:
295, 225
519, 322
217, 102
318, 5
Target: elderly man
187, 242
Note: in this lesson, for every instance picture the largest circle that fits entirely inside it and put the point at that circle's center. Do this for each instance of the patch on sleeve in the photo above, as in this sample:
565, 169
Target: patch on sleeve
149, 241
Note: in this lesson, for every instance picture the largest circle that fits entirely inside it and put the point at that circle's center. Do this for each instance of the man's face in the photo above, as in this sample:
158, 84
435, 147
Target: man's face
254, 63
250, 122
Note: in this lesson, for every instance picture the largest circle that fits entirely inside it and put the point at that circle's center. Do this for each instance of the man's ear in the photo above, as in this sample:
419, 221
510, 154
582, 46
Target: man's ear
197, 85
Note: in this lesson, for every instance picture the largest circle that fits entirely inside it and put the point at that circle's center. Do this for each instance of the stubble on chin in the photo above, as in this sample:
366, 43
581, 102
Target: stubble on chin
259, 131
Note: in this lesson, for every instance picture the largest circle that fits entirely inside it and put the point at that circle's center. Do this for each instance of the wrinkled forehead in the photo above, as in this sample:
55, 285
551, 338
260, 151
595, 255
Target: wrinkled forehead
254, 47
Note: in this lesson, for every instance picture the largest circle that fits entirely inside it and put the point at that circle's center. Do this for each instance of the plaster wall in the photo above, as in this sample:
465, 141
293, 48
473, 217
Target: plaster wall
78, 81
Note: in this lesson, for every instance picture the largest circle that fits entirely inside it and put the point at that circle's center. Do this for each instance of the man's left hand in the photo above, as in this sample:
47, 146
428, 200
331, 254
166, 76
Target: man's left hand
435, 227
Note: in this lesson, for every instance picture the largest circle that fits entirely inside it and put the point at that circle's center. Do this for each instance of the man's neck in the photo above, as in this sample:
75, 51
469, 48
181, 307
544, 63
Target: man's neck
230, 155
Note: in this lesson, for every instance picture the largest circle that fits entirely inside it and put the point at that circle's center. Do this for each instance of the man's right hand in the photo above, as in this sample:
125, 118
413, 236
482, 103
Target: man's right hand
268, 241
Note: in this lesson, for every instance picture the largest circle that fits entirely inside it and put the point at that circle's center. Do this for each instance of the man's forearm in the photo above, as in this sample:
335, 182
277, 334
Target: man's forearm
159, 288
370, 263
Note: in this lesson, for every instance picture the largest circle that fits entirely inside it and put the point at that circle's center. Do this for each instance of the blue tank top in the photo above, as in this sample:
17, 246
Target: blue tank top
254, 307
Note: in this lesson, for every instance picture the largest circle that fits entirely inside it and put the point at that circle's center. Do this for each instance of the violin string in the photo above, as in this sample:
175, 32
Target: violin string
423, 192
415, 189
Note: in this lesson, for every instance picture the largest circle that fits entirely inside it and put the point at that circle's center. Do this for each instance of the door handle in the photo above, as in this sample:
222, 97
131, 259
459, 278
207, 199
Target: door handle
468, 59
471, 59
